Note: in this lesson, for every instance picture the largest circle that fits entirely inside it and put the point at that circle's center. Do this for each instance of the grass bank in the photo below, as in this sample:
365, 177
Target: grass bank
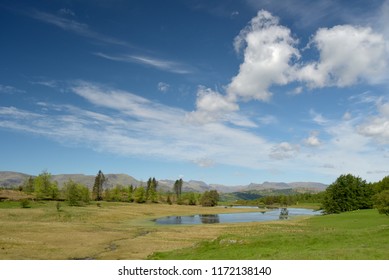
354, 235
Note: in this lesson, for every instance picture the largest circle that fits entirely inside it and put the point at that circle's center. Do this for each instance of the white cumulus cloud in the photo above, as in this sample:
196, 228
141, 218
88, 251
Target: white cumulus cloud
313, 140
211, 106
348, 55
269, 49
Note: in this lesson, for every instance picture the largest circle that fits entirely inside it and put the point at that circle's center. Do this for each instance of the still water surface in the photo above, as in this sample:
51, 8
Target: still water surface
236, 217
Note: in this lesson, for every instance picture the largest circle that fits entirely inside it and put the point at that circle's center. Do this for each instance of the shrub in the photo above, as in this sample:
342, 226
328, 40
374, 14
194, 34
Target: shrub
25, 203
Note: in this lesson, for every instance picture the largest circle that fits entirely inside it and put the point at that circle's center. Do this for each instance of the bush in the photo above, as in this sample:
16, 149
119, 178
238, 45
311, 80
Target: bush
25, 203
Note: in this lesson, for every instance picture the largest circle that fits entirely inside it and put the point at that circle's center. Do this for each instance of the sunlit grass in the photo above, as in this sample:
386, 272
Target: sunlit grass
355, 235
111, 231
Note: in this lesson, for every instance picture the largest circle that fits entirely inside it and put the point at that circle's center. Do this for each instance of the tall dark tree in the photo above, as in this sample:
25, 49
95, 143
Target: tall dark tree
131, 193
148, 187
97, 190
151, 190
178, 187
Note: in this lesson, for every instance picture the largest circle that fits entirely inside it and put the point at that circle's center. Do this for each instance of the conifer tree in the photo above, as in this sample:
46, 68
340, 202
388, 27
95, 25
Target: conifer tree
98, 186
178, 187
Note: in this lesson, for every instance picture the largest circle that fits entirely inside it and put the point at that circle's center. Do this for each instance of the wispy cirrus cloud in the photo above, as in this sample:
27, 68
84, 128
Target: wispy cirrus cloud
130, 125
76, 27
84, 30
120, 122
10, 89
161, 64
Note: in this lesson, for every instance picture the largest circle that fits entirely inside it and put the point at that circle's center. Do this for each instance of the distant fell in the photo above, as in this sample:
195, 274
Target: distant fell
10, 179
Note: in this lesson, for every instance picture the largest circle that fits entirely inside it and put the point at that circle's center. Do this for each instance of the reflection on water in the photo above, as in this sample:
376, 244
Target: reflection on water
261, 216
284, 214
209, 218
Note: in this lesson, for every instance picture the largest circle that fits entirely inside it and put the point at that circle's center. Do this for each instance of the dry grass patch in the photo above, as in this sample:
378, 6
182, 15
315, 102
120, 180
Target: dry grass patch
112, 231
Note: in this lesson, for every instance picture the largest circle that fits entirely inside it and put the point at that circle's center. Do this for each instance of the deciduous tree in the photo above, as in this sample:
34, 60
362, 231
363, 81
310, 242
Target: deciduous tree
28, 186
140, 195
210, 198
44, 188
76, 194
347, 193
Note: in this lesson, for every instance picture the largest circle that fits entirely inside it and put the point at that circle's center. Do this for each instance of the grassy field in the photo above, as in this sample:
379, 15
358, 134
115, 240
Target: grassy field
126, 231
354, 235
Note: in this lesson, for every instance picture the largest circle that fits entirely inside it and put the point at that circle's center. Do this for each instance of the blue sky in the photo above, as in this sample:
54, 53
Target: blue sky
227, 92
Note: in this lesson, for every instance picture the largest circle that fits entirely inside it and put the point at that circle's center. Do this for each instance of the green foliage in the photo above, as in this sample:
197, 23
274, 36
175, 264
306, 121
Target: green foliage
76, 194
271, 197
44, 188
347, 193
119, 194
381, 202
209, 198
25, 203
28, 185
189, 198
192, 199
151, 190
97, 191
140, 195
381, 185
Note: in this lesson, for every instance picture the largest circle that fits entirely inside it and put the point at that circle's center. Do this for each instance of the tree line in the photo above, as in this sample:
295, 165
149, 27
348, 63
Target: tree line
284, 200
347, 193
77, 194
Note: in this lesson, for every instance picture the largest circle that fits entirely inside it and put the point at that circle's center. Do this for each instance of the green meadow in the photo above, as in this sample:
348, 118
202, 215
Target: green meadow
112, 231
348, 236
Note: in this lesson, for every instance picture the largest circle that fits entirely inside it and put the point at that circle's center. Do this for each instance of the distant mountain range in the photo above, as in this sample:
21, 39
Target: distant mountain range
10, 179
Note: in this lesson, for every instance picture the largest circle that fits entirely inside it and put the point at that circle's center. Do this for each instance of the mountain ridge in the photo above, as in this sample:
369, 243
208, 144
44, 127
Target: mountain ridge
9, 179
